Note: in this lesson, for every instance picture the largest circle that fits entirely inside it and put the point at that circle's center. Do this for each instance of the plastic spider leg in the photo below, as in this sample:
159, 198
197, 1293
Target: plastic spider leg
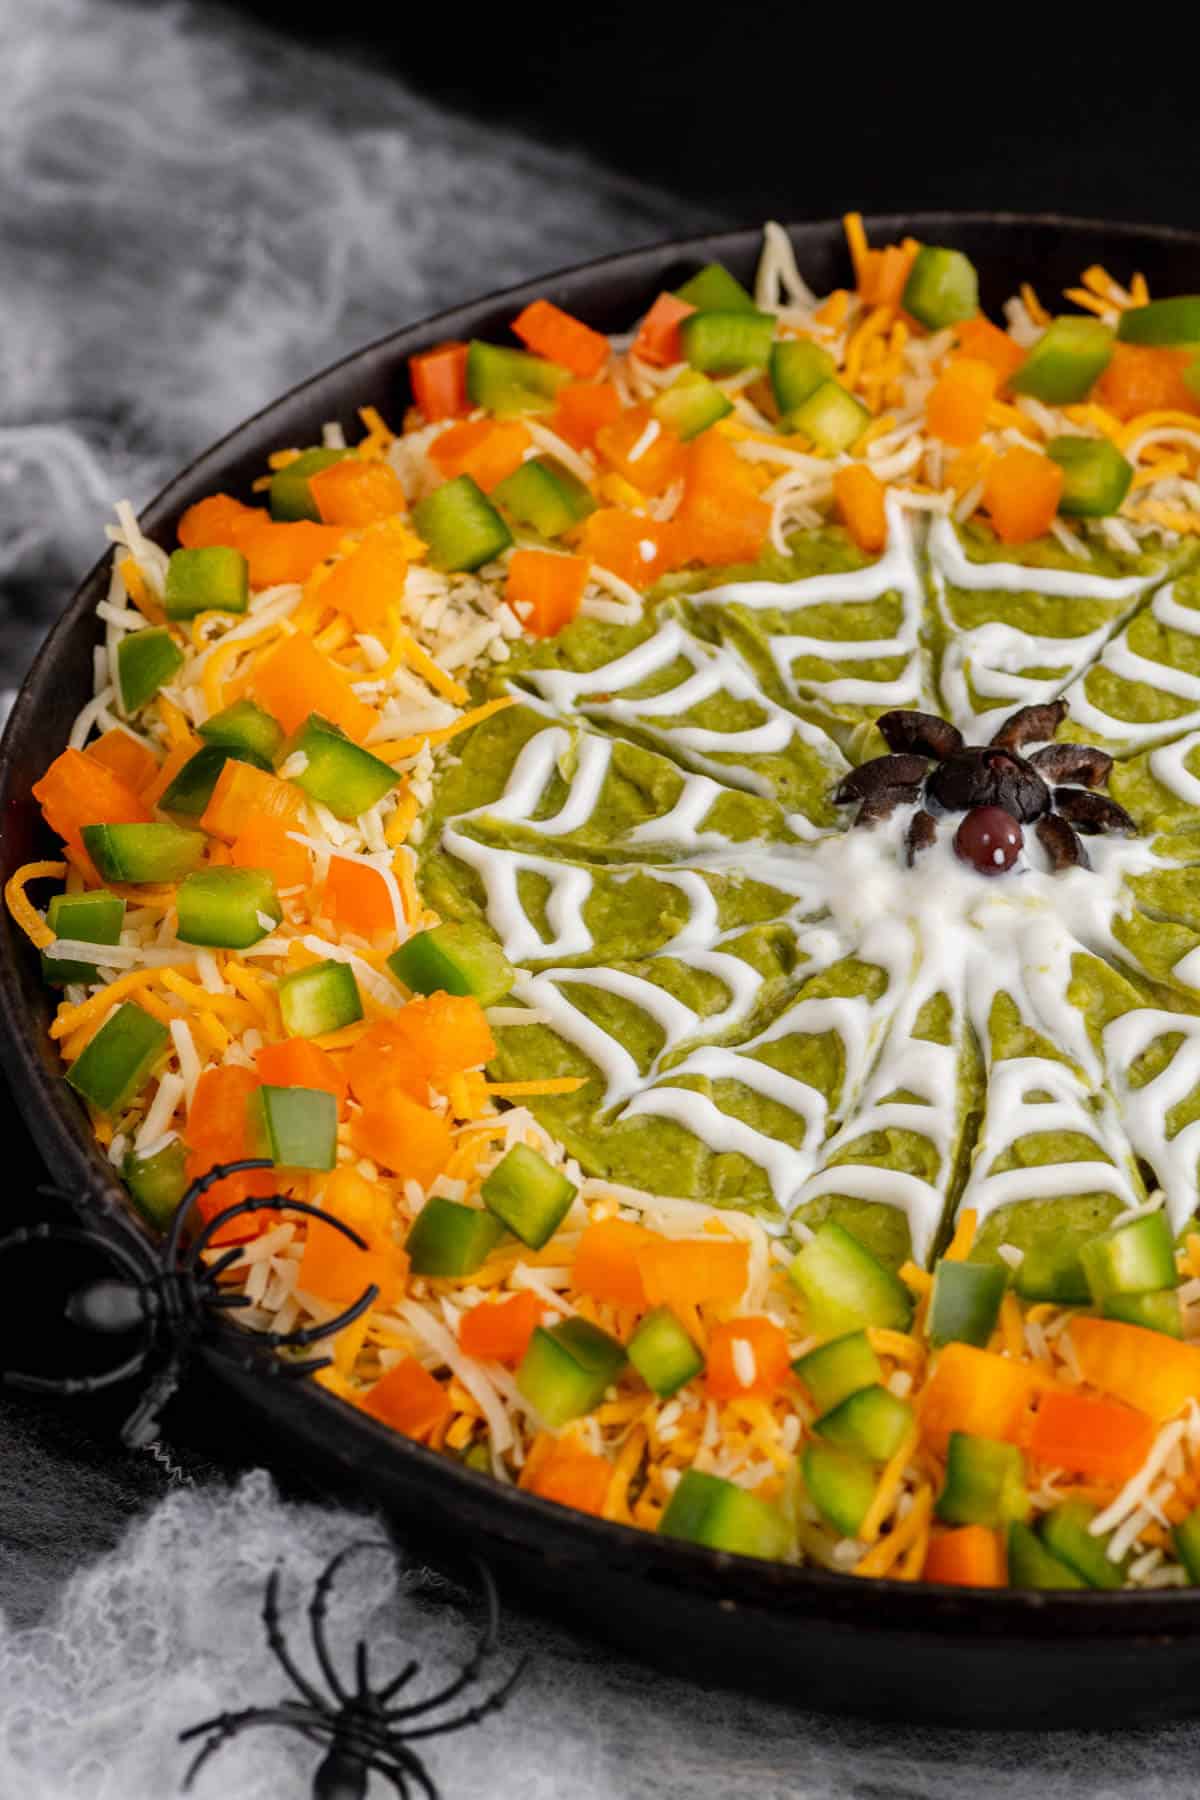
311, 1333
228, 1302
405, 1767
397, 1682
275, 1203
197, 1190
137, 1264
215, 1270
142, 1423
485, 1644
227, 1725
475, 1714
278, 1645
74, 1385
318, 1608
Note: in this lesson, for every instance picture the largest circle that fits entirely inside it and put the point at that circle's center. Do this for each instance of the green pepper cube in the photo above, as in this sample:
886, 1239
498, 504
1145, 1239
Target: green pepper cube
942, 288
1051, 1270
1069, 357
508, 382
146, 660
832, 417
245, 727
707, 1509
798, 367
1066, 1532
529, 1195
845, 1286
451, 1240
1136, 1258
295, 1126
227, 909
337, 772
714, 289
215, 578
567, 1370
321, 998
192, 789
834, 1371
96, 917
966, 1302
1174, 322
1096, 477
460, 525
690, 405
544, 496
721, 343
119, 1060
1031, 1565
841, 1485
157, 1183
290, 496
1186, 1538
985, 1482
871, 1421
454, 959
1153, 1312
137, 853
663, 1354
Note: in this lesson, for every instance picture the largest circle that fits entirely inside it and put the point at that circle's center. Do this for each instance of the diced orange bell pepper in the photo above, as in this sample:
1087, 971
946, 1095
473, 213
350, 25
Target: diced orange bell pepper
583, 408
657, 339
1146, 1369
78, 790
409, 1399
957, 408
607, 1262
419, 1046
370, 580
768, 1350
574, 1477
976, 1391
859, 496
720, 518
439, 381
220, 519
1144, 378
985, 342
488, 450
637, 549
360, 1203
356, 899
642, 449
550, 332
500, 1332
683, 1272
1088, 1435
356, 492
1021, 492
297, 1062
412, 1141
130, 761
333, 1268
218, 1132
293, 679
885, 274
544, 589
243, 793
972, 1556
264, 843
280, 553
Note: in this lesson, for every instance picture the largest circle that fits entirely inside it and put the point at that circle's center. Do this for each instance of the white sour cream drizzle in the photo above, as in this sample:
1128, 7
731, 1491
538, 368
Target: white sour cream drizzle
1125, 663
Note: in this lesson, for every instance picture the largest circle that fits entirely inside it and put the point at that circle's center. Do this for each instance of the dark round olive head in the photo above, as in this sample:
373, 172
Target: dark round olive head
108, 1306
989, 777
989, 839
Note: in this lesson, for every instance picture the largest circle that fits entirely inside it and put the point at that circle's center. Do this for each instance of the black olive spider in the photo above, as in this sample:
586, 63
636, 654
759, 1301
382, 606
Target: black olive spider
361, 1731
168, 1294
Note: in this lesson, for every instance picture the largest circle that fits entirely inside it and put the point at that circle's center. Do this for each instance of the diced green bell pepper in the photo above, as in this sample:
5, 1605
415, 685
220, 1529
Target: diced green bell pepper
290, 496
1096, 477
832, 417
139, 853
798, 368
1186, 1538
321, 998
1175, 321
834, 1371
95, 917
460, 525
966, 1302
215, 578
145, 661
567, 1369
295, 1126
245, 726
226, 908
714, 289
1064, 1531
841, 1485
872, 1421
985, 1482
845, 1286
454, 959
529, 1195
478, 1456
158, 1183
706, 1509
1137, 1258
449, 1239
721, 343
192, 788
118, 1061
544, 496
1051, 1270
1069, 357
338, 772
1153, 1312
942, 288
691, 404
1031, 1565
507, 382
663, 1354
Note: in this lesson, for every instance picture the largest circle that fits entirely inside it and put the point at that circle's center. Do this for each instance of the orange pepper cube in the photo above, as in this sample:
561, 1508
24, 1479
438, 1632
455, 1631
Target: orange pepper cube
550, 332
545, 589
292, 679
357, 492
642, 449
410, 1400
412, 1141
606, 1262
957, 408
1021, 492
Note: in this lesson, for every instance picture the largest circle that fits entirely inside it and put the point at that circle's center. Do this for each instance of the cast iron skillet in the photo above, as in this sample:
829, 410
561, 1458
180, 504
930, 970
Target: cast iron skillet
882, 1648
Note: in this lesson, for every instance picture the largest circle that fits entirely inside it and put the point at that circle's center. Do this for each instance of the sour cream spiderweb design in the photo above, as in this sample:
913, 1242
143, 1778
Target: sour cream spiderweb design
720, 844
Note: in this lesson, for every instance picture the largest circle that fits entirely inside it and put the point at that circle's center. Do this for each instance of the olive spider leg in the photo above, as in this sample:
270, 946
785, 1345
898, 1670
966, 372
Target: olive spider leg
278, 1645
485, 1644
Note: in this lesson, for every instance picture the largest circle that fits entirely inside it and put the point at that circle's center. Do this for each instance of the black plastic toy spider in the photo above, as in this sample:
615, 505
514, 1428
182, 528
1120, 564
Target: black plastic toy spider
173, 1298
361, 1731
997, 788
